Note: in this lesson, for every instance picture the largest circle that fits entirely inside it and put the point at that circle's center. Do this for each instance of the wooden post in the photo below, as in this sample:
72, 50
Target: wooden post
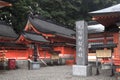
35, 54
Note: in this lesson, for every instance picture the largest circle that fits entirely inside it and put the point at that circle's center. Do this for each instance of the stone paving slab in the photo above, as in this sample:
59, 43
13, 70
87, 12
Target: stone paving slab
50, 73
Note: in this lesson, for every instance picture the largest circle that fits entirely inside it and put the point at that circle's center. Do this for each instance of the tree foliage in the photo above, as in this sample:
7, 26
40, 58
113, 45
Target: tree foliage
65, 12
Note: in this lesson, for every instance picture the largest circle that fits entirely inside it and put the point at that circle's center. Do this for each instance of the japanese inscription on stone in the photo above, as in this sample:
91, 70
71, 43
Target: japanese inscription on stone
82, 43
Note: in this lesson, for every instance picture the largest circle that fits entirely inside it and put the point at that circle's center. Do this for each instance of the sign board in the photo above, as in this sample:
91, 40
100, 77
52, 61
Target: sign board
103, 53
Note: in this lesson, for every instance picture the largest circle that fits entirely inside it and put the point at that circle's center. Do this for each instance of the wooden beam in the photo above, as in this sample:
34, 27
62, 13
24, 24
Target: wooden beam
3, 4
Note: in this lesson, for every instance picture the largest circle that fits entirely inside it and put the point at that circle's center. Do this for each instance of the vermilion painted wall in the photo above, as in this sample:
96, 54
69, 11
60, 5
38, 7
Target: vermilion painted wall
43, 54
18, 54
66, 51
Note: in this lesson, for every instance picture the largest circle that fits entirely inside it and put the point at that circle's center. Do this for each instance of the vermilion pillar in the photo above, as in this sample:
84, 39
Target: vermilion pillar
116, 40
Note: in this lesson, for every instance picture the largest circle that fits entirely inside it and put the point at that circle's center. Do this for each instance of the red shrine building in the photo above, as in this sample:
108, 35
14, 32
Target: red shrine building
59, 40
109, 17
40, 37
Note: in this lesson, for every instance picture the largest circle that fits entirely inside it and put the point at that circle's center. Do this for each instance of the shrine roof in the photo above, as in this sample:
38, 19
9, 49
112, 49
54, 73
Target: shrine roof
7, 31
112, 9
34, 37
3, 4
109, 17
49, 27
12, 45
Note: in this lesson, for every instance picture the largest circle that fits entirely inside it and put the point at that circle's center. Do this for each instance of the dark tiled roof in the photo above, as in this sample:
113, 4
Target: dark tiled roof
48, 27
34, 37
112, 9
92, 23
102, 46
12, 45
7, 31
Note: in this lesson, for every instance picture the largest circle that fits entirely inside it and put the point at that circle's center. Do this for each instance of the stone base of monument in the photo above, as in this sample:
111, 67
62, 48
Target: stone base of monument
82, 70
33, 65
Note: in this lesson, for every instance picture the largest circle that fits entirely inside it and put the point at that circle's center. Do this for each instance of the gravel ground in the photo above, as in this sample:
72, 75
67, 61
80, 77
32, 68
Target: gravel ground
50, 73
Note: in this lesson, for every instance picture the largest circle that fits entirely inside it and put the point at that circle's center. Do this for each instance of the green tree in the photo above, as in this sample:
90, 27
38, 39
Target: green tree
65, 12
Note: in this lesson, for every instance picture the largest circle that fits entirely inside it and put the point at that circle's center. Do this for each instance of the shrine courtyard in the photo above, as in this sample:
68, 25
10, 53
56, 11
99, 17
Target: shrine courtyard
50, 73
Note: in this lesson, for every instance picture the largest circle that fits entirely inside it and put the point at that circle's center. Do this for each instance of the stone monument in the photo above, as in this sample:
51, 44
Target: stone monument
82, 68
